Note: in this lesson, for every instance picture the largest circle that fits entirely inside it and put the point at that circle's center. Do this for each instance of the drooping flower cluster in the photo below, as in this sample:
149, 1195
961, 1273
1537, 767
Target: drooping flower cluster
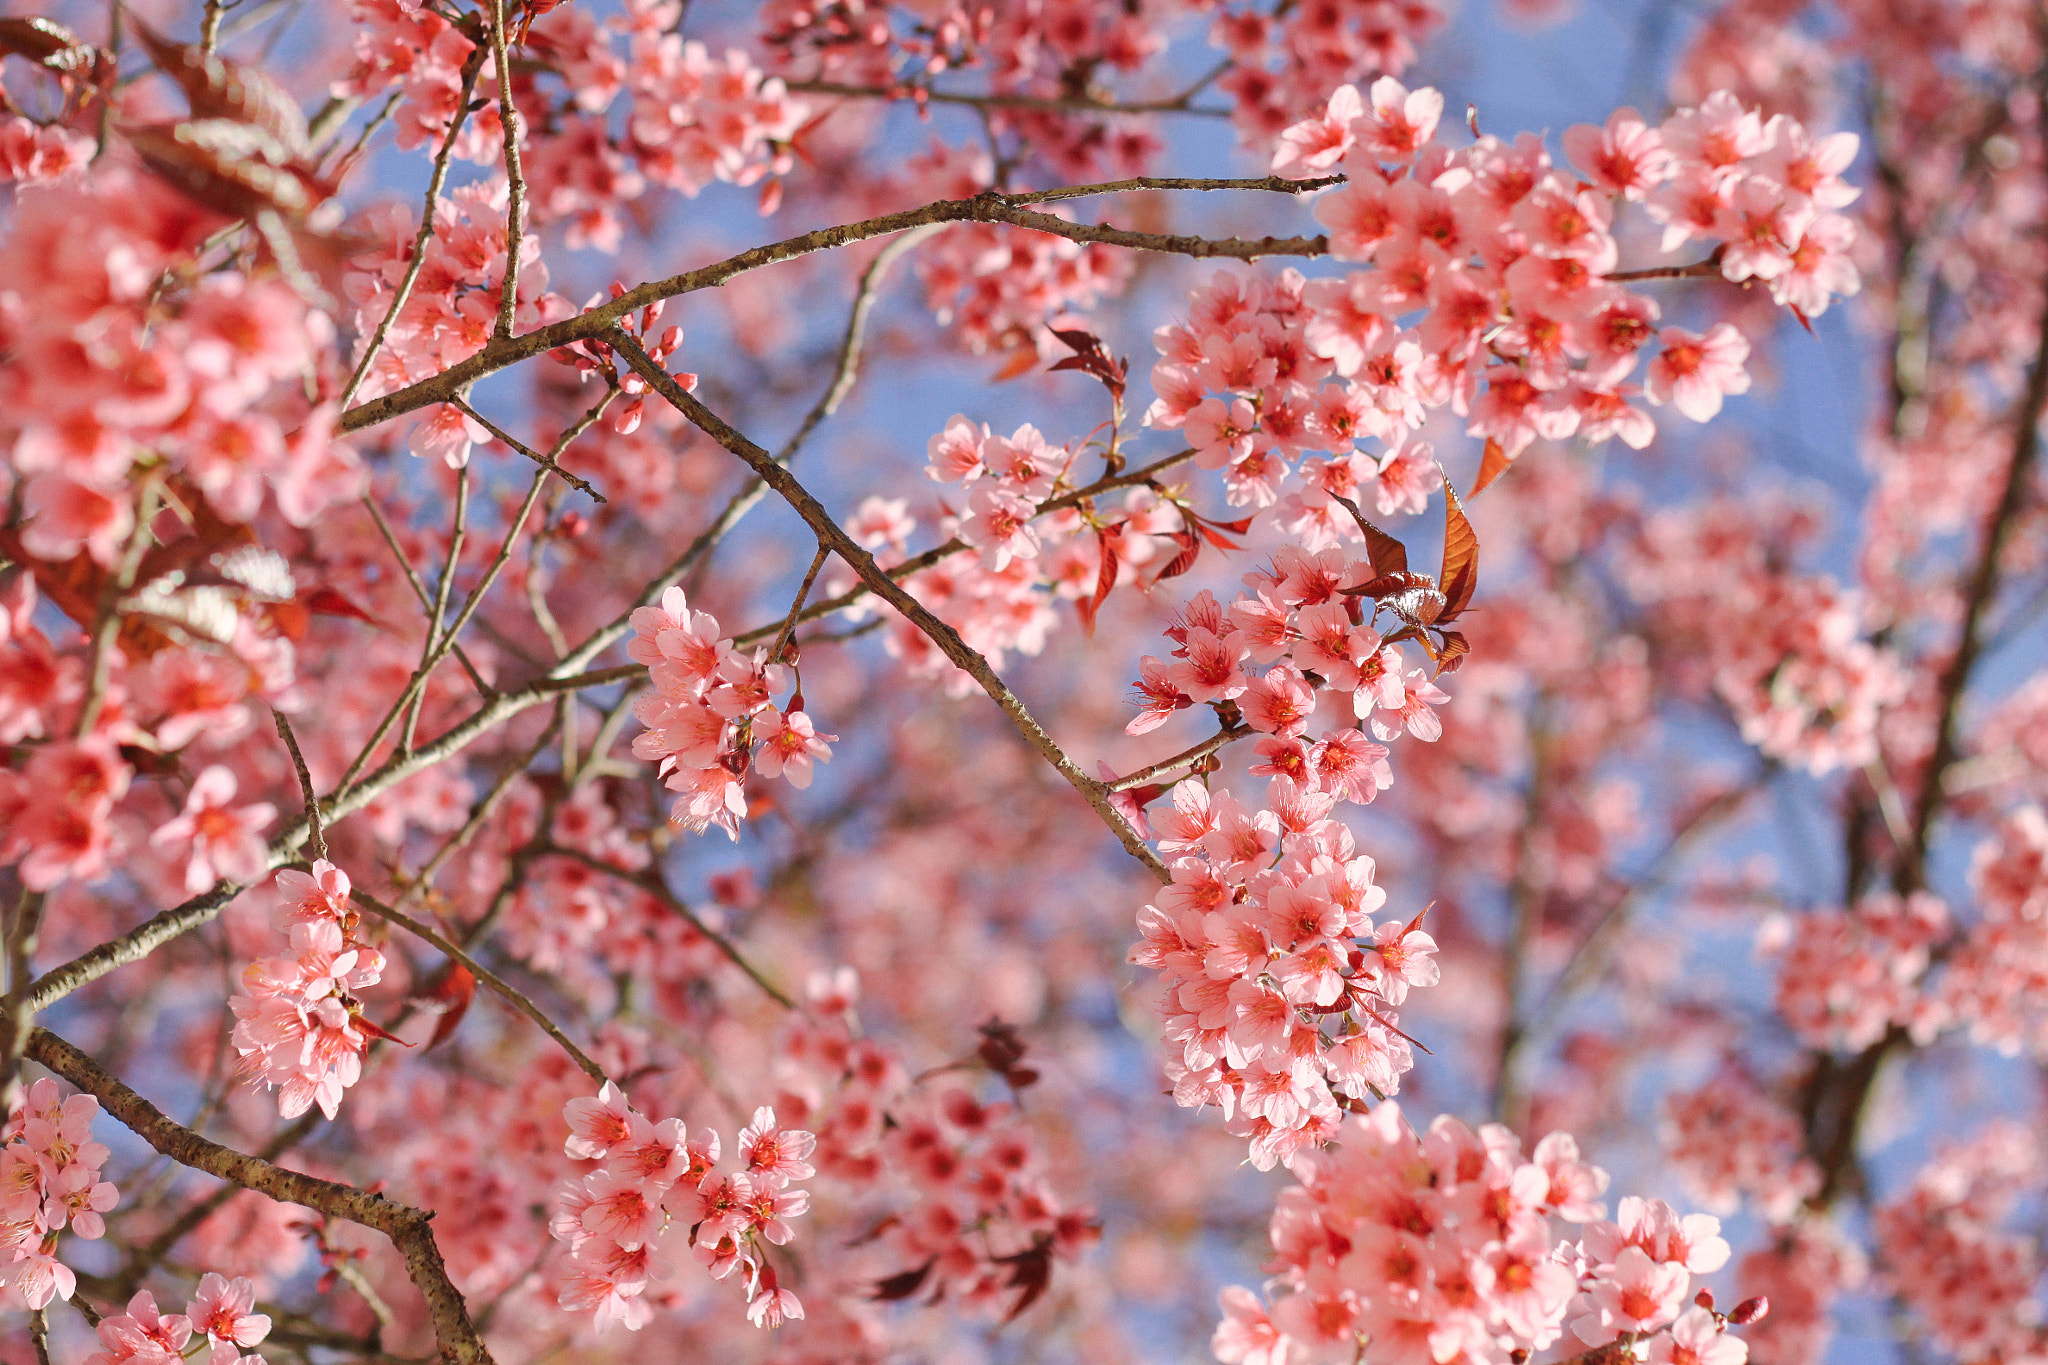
1441, 1247
650, 1177
49, 1179
711, 717
298, 1025
1849, 975
1786, 652
1489, 294
221, 1316
1731, 1140
1949, 1254
958, 1202
1279, 995
122, 354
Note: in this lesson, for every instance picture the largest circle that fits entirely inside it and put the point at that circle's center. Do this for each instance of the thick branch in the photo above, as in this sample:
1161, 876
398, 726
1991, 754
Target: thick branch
409, 1229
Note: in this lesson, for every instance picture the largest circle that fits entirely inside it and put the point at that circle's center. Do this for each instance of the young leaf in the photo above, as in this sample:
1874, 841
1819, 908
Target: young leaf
1492, 465
1388, 555
1461, 558
217, 88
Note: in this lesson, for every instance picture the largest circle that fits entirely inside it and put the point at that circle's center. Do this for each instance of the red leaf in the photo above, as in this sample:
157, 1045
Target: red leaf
218, 88
1492, 465
1388, 555
451, 993
46, 43
1191, 550
376, 1032
1105, 577
1461, 558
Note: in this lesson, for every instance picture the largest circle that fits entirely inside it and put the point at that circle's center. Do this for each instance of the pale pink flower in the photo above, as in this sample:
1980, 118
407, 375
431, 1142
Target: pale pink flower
789, 745
224, 1310
1694, 371
999, 525
214, 840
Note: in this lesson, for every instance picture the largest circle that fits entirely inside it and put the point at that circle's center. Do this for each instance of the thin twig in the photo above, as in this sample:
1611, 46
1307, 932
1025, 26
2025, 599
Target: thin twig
1185, 758
789, 626
419, 590
1046, 103
435, 180
651, 882
504, 989
546, 462
515, 181
316, 840
964, 656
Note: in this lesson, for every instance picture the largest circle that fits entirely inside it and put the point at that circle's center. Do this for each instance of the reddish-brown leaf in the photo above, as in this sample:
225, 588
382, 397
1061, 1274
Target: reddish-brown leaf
1105, 577
1091, 357
1190, 551
1388, 555
1020, 361
46, 43
236, 169
1030, 1271
451, 993
1451, 652
1460, 577
1492, 465
218, 88
902, 1285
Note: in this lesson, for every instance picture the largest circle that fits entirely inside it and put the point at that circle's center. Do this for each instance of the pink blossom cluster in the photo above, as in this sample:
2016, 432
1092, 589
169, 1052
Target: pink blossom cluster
31, 152
298, 1025
1847, 976
1296, 639
1995, 979
122, 353
711, 716
1497, 261
410, 47
697, 118
221, 1316
998, 600
1800, 1270
1786, 652
1440, 1246
1279, 995
953, 1190
453, 306
1028, 52
1730, 1140
49, 1179
1283, 59
1003, 288
647, 1176
1950, 1256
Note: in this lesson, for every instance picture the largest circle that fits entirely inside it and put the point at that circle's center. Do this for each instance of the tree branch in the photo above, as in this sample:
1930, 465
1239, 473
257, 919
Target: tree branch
828, 531
409, 1229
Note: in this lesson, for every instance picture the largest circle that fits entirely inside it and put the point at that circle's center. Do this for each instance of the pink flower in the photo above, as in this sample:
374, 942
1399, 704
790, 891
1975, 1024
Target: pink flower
448, 432
213, 839
224, 1310
1694, 371
775, 1155
323, 895
597, 1125
999, 525
955, 453
1246, 1336
1279, 703
1697, 1339
1634, 1295
1626, 157
1220, 434
789, 745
